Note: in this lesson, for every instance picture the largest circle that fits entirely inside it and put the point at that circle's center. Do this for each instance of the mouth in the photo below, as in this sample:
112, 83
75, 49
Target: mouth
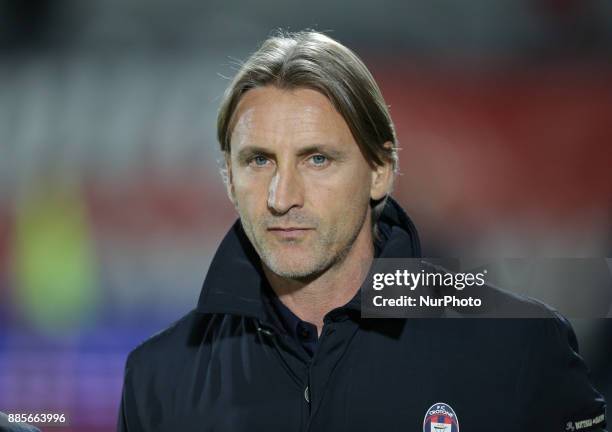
288, 228
289, 232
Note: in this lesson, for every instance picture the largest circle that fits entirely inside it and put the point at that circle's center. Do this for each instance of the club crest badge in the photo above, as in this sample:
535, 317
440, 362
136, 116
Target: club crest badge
440, 417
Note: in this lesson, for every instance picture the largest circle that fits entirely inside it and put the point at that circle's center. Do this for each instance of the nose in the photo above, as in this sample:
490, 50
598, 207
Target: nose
286, 191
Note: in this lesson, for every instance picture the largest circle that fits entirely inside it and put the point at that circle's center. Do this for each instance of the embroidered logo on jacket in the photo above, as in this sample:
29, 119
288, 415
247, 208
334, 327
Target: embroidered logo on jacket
586, 424
440, 417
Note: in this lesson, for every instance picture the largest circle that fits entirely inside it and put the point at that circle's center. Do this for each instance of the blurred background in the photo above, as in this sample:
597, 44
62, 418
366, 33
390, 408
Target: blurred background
111, 202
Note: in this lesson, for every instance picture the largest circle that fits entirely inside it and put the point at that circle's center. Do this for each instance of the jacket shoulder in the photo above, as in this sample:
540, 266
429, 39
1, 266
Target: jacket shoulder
553, 382
172, 344
153, 367
499, 303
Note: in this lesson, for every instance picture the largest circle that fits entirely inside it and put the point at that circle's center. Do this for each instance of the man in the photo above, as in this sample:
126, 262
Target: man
277, 342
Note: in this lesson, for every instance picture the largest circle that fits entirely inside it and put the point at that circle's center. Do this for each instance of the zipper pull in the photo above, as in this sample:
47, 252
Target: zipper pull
265, 331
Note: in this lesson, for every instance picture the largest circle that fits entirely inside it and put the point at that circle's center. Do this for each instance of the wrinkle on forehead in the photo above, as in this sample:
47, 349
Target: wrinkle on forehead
273, 116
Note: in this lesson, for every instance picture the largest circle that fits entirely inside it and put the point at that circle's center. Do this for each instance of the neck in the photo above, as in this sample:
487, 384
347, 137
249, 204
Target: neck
333, 288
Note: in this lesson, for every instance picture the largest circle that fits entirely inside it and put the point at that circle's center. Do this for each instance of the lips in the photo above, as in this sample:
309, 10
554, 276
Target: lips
289, 233
288, 229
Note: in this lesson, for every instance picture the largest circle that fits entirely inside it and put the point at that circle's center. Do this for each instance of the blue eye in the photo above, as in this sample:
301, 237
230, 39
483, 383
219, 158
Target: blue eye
319, 160
259, 161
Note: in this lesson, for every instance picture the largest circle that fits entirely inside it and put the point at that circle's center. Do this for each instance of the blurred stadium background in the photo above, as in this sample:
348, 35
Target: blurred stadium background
111, 203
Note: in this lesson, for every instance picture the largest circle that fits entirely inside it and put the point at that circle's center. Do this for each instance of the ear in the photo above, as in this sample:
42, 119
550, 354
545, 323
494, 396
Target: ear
226, 172
382, 178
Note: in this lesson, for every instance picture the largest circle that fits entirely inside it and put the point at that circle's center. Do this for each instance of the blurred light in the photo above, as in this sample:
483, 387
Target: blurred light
54, 264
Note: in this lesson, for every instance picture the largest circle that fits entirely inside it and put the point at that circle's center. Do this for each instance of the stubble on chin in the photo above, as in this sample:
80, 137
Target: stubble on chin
309, 257
308, 260
293, 260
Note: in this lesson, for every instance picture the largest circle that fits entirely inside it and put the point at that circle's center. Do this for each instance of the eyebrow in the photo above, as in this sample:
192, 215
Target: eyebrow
324, 149
249, 151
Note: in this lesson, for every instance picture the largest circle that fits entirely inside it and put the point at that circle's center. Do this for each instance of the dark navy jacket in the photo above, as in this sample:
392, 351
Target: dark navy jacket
229, 366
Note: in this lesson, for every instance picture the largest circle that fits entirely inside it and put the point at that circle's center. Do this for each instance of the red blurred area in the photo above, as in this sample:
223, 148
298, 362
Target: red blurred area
530, 147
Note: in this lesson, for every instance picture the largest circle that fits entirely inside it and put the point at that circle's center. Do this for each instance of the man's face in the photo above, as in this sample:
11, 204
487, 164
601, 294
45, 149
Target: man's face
299, 181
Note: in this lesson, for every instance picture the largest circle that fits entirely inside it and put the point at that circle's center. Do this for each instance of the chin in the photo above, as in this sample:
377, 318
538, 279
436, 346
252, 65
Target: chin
297, 267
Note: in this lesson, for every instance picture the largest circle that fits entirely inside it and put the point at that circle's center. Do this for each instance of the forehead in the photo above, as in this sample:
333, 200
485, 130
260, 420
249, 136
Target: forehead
271, 116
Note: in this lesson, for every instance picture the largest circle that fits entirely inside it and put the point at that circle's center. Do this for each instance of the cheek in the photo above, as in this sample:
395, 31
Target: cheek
342, 198
249, 192
352, 183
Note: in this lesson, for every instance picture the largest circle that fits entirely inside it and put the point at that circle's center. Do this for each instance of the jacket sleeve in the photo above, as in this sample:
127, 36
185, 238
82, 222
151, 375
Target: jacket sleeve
128, 420
555, 384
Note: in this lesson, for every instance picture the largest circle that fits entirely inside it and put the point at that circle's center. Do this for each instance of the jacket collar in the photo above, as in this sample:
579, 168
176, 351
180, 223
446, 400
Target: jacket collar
235, 283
